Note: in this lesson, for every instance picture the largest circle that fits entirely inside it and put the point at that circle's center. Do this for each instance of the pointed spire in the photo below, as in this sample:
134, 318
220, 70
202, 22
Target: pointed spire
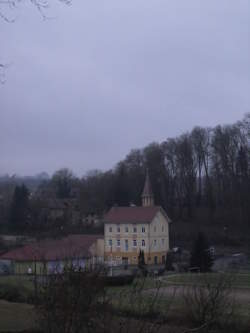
147, 194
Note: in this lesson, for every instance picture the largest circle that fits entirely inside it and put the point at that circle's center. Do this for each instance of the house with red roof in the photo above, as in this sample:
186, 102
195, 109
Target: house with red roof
127, 230
52, 255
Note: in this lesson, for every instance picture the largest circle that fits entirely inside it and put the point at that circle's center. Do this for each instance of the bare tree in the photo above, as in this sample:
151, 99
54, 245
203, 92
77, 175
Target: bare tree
209, 301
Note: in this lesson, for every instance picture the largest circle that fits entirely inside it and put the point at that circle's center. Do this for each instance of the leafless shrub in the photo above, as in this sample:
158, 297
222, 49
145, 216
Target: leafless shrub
210, 302
72, 302
143, 307
75, 302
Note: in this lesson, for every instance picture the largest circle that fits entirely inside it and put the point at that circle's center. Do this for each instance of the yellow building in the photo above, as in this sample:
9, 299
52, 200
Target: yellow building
127, 230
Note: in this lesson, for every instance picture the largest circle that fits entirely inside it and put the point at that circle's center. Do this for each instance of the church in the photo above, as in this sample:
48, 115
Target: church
127, 230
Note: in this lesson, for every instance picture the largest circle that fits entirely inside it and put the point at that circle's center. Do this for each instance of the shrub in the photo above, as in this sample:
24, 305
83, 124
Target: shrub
210, 302
72, 302
12, 293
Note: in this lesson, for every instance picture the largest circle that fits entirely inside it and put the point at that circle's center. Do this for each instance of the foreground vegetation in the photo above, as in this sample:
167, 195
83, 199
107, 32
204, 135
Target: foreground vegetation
159, 303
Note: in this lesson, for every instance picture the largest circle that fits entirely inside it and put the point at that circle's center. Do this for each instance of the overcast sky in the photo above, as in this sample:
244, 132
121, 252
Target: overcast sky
103, 77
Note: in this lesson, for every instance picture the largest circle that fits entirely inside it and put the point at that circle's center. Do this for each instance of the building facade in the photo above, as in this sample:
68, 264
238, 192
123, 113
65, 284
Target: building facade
52, 256
127, 230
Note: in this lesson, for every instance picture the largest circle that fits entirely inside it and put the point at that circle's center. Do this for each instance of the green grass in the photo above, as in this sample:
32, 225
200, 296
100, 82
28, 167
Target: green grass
16, 317
238, 280
16, 289
20, 281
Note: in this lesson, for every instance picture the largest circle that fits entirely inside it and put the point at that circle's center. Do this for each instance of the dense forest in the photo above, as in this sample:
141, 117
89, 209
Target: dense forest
201, 177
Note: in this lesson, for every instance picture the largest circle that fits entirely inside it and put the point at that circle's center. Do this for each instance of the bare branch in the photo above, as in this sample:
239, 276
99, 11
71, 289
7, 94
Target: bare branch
2, 73
41, 5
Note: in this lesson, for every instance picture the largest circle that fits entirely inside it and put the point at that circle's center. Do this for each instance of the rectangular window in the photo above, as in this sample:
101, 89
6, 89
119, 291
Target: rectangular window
143, 229
118, 242
155, 242
110, 229
134, 242
134, 229
126, 229
110, 242
118, 229
154, 229
143, 244
162, 228
126, 244
163, 241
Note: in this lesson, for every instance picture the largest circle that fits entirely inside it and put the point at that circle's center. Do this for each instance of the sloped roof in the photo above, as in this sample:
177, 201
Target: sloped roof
119, 215
73, 246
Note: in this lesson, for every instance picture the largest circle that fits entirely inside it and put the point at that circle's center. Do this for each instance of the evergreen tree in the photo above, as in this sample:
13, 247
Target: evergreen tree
141, 263
169, 261
201, 256
19, 211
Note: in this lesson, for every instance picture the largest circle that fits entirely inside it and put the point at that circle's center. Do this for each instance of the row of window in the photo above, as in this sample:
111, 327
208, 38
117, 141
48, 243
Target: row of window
118, 243
143, 229
122, 260
135, 242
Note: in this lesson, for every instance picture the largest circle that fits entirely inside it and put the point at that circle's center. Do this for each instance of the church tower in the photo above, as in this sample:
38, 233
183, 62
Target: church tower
147, 194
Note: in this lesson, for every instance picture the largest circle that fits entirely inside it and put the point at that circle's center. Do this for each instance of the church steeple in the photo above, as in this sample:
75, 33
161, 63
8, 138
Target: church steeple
147, 194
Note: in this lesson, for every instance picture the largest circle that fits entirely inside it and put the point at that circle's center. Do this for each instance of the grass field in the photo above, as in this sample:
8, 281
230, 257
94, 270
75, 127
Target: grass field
238, 280
16, 316
20, 281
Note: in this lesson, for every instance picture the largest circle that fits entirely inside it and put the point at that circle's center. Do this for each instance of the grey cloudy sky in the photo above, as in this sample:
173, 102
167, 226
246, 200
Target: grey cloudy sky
103, 77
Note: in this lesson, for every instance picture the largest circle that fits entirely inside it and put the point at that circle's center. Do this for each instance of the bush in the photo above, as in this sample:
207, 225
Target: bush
72, 302
209, 302
16, 294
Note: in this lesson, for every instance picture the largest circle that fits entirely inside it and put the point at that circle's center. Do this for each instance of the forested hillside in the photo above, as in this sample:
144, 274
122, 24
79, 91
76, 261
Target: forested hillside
201, 178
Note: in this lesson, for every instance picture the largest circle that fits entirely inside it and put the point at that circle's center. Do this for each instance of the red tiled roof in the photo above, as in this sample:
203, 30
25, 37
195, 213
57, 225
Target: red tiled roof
135, 215
73, 246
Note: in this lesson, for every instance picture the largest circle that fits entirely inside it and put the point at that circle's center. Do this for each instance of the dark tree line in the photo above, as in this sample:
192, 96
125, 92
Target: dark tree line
202, 175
